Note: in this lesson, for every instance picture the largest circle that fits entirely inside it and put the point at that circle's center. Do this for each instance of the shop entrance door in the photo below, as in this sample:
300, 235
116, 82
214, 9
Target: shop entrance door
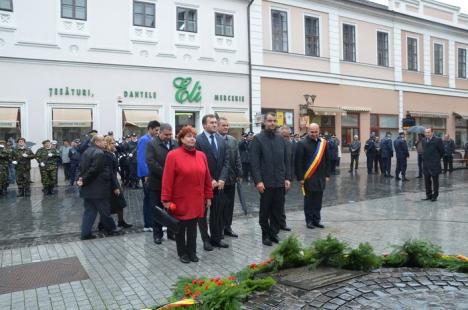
183, 118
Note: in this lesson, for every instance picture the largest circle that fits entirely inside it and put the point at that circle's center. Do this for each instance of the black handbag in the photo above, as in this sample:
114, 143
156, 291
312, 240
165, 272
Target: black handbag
164, 218
118, 202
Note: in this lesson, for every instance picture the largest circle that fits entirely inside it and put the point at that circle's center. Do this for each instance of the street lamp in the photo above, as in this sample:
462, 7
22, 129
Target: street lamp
310, 99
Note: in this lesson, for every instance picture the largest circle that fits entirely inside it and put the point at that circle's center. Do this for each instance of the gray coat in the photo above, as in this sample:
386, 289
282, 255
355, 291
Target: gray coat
235, 165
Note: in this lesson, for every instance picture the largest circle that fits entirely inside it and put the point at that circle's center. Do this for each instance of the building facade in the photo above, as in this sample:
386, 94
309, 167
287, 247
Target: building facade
68, 66
361, 66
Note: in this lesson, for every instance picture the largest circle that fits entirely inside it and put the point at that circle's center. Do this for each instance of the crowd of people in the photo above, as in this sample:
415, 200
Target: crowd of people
192, 176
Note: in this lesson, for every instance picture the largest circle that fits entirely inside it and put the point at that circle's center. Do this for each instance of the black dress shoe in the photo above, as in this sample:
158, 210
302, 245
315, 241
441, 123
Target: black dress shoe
286, 228
116, 232
274, 238
193, 258
398, 178
434, 199
405, 180
419, 177
310, 226
318, 225
157, 240
220, 244
390, 176
267, 241
230, 233
88, 237
184, 259
427, 198
123, 224
207, 245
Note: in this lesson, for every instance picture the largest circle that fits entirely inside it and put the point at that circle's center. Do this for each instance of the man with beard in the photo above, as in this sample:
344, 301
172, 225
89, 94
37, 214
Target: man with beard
272, 177
312, 171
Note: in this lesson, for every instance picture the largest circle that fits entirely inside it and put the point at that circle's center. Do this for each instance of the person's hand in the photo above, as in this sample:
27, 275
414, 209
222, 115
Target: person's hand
327, 178
301, 182
14, 162
50, 154
79, 182
287, 184
42, 164
221, 184
166, 205
24, 155
130, 155
146, 179
214, 184
260, 187
208, 203
116, 192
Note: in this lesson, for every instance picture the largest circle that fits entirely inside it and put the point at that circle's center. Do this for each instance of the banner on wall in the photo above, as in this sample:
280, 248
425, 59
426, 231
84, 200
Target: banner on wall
280, 118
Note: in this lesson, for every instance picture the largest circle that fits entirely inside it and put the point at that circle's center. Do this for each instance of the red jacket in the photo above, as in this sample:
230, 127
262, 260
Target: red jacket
187, 183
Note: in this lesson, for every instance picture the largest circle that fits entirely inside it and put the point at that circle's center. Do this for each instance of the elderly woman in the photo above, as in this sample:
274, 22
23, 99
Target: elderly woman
186, 184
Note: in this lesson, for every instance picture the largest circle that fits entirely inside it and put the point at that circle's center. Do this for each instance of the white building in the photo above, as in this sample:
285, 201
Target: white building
67, 66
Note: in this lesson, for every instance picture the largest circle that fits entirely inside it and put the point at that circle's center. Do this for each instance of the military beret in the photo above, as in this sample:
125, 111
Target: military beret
21, 139
45, 141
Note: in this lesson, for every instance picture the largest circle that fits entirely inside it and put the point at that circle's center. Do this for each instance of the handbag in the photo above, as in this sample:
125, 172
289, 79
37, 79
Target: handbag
118, 202
164, 218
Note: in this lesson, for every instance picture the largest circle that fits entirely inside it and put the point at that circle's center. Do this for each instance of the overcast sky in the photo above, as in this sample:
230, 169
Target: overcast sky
460, 3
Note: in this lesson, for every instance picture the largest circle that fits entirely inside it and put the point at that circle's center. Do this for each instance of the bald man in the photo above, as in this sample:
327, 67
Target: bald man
313, 184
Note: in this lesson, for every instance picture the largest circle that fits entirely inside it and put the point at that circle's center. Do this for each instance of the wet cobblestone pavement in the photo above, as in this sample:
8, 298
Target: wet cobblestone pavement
130, 271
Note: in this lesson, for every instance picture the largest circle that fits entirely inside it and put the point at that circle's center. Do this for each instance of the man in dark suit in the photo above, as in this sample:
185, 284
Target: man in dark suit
315, 185
156, 153
370, 150
386, 149
217, 154
402, 154
433, 152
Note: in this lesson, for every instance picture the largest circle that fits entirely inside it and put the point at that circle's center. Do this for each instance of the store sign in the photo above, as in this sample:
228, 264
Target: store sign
140, 94
67, 91
229, 98
186, 92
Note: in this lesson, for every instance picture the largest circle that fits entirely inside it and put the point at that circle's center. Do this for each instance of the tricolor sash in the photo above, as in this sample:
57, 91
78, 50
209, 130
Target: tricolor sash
315, 160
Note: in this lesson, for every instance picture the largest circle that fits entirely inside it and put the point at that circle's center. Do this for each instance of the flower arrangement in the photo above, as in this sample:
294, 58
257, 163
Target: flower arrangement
227, 293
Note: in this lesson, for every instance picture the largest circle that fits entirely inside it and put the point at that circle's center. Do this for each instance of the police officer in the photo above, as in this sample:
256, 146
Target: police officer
47, 157
132, 161
386, 153
22, 156
74, 156
370, 150
449, 150
122, 150
402, 154
5, 158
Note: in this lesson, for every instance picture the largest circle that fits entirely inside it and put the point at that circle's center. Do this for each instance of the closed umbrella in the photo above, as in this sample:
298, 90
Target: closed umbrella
241, 197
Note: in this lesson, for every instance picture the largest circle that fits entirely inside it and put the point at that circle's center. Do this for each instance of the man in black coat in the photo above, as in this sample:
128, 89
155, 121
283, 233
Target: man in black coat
449, 150
97, 184
271, 172
217, 154
402, 154
315, 185
156, 153
433, 152
370, 150
244, 150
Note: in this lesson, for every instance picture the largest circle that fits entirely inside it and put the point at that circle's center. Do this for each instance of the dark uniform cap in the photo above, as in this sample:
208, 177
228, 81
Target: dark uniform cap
134, 135
77, 141
45, 141
128, 136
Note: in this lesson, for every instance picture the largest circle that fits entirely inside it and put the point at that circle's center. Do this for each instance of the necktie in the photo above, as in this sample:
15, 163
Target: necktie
213, 146
168, 145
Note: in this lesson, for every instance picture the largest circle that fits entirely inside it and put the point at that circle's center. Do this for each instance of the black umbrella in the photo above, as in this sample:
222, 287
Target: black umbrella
241, 197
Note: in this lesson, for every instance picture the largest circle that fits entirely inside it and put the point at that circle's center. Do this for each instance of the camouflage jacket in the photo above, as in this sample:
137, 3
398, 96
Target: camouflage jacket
5, 156
22, 161
47, 158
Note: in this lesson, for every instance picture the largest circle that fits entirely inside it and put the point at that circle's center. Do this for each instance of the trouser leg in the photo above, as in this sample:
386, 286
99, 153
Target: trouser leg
420, 165
155, 202
89, 216
147, 207
370, 163
445, 158
180, 238
404, 165
228, 204
203, 226
450, 162
315, 200
216, 217
435, 180
277, 206
428, 185
265, 204
104, 209
191, 245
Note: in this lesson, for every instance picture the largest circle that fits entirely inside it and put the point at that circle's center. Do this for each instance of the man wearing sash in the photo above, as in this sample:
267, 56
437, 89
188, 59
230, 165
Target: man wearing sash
312, 165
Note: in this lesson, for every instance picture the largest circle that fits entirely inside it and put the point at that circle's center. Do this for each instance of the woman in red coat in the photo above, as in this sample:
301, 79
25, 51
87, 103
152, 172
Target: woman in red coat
187, 184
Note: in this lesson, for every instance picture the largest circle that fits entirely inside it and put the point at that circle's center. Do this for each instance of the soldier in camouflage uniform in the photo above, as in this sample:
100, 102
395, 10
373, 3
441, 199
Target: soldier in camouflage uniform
22, 160
5, 158
47, 158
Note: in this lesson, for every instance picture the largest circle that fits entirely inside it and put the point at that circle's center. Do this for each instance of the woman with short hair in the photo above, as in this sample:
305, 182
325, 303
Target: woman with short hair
186, 191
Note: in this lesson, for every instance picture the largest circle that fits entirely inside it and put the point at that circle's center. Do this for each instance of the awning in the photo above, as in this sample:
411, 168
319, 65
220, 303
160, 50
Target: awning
72, 118
327, 110
235, 119
356, 109
428, 114
8, 117
461, 115
139, 118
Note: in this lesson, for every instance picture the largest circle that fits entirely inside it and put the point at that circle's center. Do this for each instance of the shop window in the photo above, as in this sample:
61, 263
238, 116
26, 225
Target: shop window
224, 25
6, 5
349, 42
74, 9
136, 121
10, 123
143, 14
279, 28
350, 127
70, 124
381, 124
186, 19
185, 118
